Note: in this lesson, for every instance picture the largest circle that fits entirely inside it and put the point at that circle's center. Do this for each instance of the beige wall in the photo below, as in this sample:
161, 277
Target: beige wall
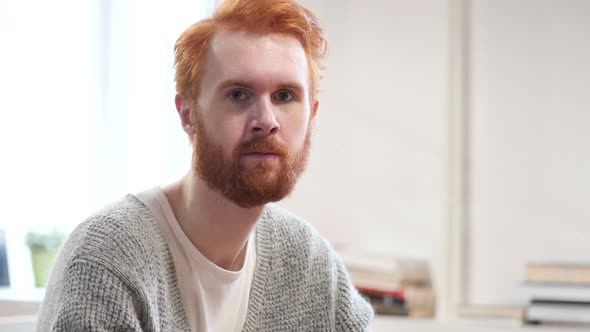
375, 178
375, 173
530, 140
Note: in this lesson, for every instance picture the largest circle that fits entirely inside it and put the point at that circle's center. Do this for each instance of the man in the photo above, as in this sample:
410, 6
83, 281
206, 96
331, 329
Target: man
208, 253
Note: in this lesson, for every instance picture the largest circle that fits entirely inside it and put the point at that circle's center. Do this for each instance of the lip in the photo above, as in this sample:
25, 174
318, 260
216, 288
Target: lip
262, 152
260, 156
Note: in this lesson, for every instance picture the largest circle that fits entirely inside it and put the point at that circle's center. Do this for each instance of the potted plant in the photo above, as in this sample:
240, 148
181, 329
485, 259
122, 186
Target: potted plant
44, 248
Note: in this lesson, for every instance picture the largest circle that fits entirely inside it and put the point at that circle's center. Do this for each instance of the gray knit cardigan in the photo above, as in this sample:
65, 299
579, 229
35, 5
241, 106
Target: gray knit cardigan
115, 273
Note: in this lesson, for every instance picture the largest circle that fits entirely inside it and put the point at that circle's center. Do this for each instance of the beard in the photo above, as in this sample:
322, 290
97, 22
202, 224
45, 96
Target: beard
264, 182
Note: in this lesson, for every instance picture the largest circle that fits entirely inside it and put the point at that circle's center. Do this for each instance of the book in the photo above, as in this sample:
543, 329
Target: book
383, 308
415, 302
420, 301
386, 303
394, 285
564, 273
558, 312
491, 311
557, 292
385, 271
384, 293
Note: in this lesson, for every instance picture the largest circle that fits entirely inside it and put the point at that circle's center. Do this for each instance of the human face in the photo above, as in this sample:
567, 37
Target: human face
253, 116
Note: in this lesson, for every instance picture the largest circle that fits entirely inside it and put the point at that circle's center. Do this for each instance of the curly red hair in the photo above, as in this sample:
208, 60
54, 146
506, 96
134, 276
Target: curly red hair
258, 16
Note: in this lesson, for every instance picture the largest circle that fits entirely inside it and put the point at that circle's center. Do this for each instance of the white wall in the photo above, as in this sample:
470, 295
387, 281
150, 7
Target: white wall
531, 140
374, 179
375, 174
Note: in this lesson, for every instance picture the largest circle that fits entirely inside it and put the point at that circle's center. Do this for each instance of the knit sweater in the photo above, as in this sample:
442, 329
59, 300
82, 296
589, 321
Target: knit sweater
115, 273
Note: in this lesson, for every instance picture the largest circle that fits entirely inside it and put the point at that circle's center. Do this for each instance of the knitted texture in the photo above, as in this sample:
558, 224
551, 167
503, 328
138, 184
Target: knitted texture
115, 273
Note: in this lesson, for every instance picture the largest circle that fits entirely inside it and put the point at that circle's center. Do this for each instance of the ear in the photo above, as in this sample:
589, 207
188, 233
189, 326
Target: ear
314, 110
184, 112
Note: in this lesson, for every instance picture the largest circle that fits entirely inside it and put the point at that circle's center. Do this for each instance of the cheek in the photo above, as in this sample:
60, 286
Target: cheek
225, 133
229, 139
295, 129
235, 132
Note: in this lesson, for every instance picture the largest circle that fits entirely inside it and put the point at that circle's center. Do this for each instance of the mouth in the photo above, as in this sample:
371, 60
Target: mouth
260, 155
263, 152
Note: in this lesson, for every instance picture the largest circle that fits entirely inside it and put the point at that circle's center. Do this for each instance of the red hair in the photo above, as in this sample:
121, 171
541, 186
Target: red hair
258, 16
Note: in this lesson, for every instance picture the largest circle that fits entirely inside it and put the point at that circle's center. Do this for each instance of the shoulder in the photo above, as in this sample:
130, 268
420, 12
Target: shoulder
302, 266
291, 227
296, 237
122, 234
113, 272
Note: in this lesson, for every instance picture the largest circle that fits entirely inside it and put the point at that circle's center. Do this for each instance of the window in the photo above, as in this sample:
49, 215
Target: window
87, 112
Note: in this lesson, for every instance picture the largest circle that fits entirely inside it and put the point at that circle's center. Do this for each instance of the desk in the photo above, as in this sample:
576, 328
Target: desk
401, 324
381, 324
18, 323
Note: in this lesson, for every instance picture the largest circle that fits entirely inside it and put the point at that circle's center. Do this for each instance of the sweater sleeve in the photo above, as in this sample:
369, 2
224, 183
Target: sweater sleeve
88, 297
353, 313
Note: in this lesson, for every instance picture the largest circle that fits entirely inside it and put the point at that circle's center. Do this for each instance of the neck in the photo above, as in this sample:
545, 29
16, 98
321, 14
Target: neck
216, 226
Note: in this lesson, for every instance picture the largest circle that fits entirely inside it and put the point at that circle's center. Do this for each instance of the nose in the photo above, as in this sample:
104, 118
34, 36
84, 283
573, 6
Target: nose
264, 121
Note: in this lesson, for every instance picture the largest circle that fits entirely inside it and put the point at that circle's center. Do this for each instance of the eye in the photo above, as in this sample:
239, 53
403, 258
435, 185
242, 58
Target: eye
283, 96
237, 95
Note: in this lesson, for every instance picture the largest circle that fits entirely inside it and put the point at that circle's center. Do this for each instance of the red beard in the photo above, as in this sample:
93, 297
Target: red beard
265, 182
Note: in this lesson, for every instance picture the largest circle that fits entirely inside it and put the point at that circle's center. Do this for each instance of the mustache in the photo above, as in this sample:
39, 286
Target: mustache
268, 144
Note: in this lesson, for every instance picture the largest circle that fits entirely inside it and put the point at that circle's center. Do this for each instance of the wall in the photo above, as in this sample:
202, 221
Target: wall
530, 140
374, 179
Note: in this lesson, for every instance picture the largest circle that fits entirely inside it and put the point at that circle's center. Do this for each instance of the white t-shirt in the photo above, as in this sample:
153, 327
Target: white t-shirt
214, 299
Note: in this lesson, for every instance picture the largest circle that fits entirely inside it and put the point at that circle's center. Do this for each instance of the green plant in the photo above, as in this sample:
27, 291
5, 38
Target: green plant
45, 241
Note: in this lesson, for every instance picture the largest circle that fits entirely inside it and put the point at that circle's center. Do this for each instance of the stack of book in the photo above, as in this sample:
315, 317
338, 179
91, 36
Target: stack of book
559, 293
395, 286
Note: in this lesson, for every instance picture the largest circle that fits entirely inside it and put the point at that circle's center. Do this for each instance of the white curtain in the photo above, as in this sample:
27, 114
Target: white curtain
86, 111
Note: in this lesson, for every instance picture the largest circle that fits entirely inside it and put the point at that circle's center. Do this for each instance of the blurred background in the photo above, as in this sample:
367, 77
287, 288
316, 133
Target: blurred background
451, 132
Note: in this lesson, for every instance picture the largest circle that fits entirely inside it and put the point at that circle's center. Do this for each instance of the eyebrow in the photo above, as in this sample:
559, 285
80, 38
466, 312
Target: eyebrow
291, 86
232, 83
243, 84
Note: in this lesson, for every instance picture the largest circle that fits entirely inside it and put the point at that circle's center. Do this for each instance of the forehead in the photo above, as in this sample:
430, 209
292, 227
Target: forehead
255, 58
